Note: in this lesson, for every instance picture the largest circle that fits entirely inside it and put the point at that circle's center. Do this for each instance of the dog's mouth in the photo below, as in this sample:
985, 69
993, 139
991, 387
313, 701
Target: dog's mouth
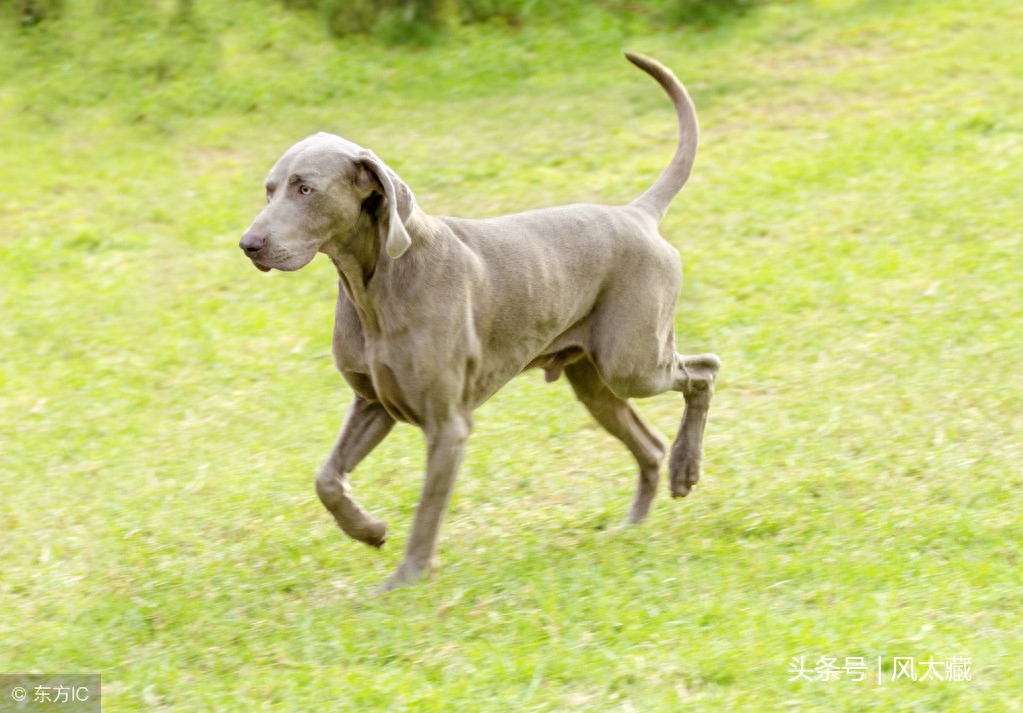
261, 268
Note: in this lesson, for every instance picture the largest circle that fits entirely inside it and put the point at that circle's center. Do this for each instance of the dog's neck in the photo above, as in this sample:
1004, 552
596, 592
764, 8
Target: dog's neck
358, 261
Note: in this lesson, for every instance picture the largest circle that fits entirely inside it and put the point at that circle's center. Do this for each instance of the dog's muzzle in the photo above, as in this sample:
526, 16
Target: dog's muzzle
252, 245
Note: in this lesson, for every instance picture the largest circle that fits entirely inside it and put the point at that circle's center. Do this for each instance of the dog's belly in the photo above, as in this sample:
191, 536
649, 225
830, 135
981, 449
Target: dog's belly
552, 364
499, 362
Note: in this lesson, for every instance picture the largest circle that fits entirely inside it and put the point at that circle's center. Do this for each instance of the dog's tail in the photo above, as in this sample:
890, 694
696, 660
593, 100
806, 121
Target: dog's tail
659, 196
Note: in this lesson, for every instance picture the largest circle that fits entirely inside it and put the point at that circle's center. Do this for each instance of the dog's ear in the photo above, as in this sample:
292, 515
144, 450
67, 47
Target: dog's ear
400, 202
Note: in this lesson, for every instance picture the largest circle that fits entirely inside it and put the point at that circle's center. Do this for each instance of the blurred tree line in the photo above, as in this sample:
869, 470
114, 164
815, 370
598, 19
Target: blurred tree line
364, 16
32, 12
413, 19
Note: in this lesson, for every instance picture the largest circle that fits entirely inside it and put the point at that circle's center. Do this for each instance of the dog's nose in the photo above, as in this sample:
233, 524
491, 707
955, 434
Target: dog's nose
252, 243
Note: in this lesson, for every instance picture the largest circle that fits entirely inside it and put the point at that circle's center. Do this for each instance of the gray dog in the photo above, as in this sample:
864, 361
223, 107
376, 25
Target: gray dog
435, 314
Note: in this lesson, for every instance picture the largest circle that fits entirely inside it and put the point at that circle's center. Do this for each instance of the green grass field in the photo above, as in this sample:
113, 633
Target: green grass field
853, 247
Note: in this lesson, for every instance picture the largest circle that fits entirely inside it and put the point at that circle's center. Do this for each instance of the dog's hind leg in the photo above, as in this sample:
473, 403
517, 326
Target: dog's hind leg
632, 374
365, 425
694, 376
622, 421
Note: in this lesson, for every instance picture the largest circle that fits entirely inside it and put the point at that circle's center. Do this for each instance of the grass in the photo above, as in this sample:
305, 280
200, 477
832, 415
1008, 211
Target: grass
852, 246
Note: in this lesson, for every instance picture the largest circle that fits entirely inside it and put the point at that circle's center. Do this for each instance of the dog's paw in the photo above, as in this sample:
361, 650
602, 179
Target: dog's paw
406, 575
371, 531
375, 534
377, 541
684, 470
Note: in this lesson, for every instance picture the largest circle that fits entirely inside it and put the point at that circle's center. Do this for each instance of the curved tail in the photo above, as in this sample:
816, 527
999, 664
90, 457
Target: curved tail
659, 196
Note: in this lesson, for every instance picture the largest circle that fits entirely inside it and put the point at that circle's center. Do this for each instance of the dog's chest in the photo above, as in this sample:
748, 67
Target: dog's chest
391, 395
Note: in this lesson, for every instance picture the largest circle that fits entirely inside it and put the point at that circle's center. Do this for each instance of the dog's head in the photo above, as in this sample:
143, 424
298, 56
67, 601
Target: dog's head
325, 189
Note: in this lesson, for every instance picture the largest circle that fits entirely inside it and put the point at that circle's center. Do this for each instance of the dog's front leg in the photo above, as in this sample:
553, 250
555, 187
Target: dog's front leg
366, 424
445, 447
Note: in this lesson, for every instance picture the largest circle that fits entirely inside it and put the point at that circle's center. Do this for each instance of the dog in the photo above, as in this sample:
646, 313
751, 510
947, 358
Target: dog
435, 314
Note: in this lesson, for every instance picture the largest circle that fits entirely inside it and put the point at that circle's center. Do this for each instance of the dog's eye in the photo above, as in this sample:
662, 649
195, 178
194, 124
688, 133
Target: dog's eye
305, 190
